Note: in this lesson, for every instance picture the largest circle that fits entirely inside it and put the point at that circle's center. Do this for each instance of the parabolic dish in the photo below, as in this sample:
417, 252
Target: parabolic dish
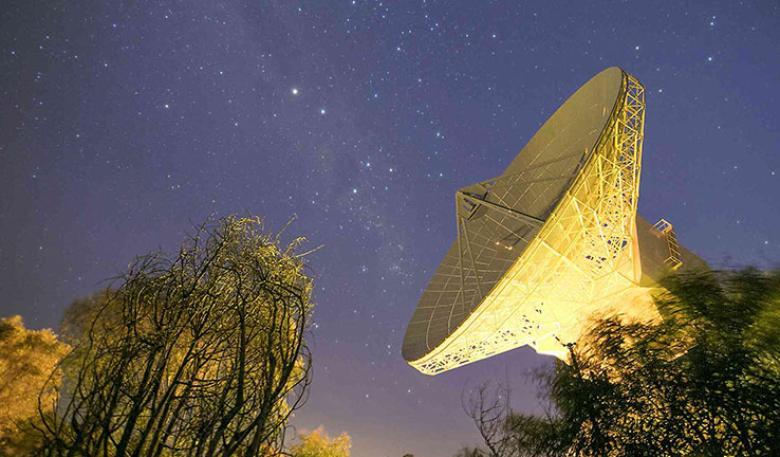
488, 294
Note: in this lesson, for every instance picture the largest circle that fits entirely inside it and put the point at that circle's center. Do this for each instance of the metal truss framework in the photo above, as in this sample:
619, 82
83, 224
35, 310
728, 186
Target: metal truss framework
584, 260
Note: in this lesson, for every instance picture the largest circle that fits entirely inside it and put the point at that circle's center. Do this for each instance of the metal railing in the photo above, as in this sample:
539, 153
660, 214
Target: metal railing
665, 229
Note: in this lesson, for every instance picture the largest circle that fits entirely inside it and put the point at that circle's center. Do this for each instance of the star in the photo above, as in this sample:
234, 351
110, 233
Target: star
453, 105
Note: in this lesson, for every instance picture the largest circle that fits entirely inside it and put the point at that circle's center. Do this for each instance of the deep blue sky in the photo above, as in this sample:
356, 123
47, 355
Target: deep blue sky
123, 123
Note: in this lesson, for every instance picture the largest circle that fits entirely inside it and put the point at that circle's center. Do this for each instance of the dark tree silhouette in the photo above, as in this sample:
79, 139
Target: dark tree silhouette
470, 452
704, 381
198, 354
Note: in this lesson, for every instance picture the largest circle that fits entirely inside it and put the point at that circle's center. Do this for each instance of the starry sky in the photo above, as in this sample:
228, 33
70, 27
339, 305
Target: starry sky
122, 124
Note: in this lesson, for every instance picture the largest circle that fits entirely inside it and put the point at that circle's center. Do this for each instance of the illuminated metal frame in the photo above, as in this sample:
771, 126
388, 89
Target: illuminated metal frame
584, 260
665, 229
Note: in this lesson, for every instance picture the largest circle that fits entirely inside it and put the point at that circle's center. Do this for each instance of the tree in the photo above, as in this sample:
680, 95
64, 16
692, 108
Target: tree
704, 381
470, 452
202, 353
318, 444
488, 406
27, 360
505, 433
80, 315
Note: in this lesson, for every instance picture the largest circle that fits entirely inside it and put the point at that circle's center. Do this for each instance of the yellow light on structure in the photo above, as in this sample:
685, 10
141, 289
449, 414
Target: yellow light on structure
582, 249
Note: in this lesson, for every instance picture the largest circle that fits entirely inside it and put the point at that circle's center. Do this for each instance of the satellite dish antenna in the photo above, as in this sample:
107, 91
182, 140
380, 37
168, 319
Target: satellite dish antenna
552, 241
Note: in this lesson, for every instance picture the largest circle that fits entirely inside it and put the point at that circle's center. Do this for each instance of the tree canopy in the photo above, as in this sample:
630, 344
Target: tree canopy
317, 443
704, 381
199, 353
27, 361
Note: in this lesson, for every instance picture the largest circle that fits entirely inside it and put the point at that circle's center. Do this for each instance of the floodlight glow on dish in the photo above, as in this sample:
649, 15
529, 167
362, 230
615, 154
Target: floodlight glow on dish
552, 242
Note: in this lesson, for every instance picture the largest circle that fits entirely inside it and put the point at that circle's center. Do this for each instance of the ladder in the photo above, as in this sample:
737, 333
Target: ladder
664, 228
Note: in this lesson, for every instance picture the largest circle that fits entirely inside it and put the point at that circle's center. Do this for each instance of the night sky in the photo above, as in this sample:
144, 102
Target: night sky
122, 124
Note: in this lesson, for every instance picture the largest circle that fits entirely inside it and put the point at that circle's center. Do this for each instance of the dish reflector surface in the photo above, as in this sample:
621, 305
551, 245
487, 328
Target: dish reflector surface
499, 219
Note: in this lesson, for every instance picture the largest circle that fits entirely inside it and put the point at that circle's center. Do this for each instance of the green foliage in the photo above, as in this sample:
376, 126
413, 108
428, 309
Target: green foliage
705, 381
318, 444
201, 353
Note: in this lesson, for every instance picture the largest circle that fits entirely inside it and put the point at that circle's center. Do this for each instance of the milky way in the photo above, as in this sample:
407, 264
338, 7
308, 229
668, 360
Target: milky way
122, 124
